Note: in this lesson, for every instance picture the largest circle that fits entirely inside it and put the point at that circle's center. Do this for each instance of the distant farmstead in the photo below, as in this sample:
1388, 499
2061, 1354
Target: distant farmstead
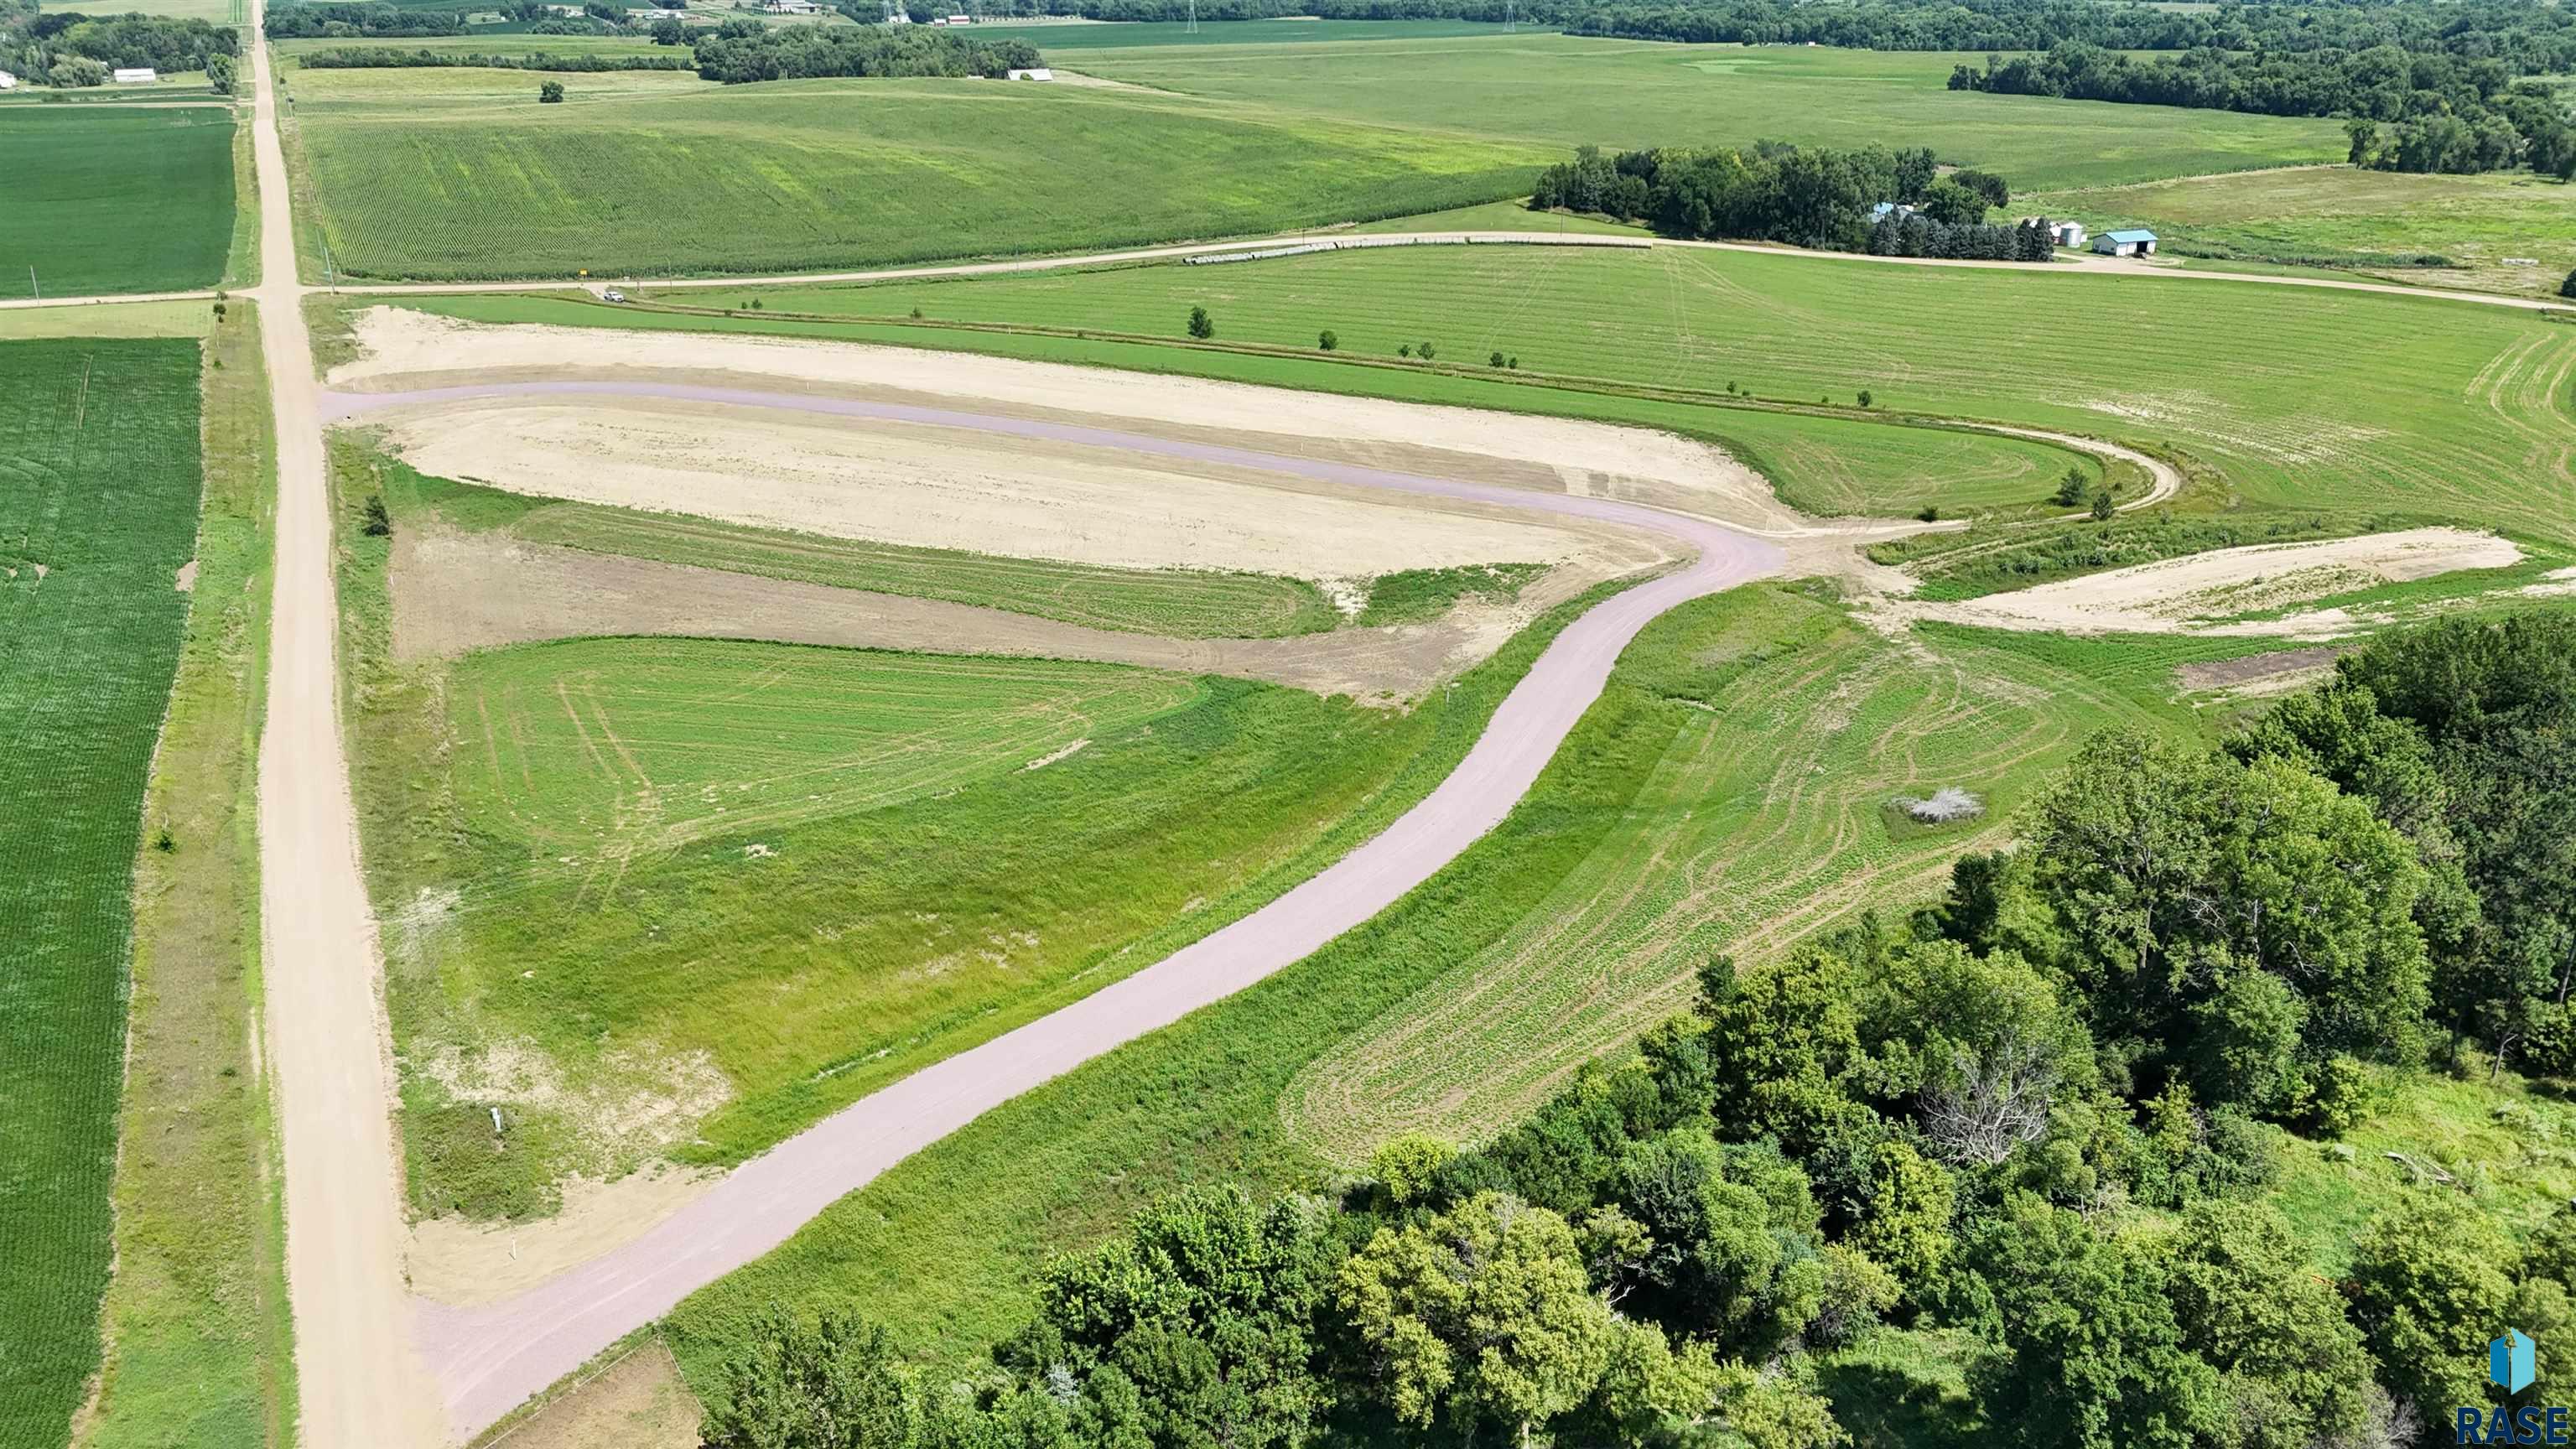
8, 82
2071, 234
135, 75
791, 7
1035, 72
2126, 244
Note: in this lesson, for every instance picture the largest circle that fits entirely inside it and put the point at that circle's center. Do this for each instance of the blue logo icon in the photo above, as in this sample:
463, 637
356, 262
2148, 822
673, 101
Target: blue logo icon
2509, 1361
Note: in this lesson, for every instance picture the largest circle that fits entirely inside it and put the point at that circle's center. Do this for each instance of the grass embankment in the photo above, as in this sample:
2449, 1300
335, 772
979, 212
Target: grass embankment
1562, 91
198, 1338
2332, 401
2343, 216
111, 199
100, 441
763, 880
448, 174
1827, 458
1175, 603
941, 1247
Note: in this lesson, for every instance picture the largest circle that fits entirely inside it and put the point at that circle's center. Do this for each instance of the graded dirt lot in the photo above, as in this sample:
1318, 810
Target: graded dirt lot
2203, 593
402, 350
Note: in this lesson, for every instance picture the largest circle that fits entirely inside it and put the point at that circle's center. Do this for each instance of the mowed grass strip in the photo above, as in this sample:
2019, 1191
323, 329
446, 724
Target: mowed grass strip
1176, 603
615, 748
417, 178
111, 199
199, 1344
2297, 396
1563, 91
99, 482
942, 1246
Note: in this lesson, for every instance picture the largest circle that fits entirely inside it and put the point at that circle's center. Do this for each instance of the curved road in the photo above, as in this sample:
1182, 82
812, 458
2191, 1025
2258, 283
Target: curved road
490, 1358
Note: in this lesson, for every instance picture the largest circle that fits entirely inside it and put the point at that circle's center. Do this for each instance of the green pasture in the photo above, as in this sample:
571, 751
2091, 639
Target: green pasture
99, 482
462, 174
114, 198
1561, 91
216, 12
2291, 396
795, 873
1730, 705
1836, 460
2361, 219
1176, 603
1077, 40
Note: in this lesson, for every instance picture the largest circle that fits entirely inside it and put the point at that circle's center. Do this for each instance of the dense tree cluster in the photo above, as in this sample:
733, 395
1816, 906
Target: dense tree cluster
72, 49
1930, 1122
1806, 196
340, 20
2410, 110
747, 51
368, 57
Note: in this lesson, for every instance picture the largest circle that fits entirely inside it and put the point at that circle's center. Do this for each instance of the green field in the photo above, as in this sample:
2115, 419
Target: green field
218, 12
461, 174
737, 874
99, 451
1560, 91
940, 1247
2340, 214
1175, 603
114, 199
2327, 400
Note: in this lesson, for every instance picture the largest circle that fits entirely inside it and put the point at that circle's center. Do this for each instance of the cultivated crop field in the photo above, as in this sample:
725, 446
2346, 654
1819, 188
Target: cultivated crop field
114, 199
1562, 91
2331, 399
2341, 213
751, 882
940, 1247
99, 479
461, 174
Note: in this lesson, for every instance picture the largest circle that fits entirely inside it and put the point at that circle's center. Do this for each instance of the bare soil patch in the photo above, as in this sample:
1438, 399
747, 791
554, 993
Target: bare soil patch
2275, 673
454, 592
456, 1261
638, 1402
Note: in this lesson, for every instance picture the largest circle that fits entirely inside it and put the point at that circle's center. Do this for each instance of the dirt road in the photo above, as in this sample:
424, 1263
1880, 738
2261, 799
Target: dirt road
358, 1381
490, 1357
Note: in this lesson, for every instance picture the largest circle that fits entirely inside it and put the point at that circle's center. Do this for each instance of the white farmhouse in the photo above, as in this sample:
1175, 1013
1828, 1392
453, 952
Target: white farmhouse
136, 75
8, 82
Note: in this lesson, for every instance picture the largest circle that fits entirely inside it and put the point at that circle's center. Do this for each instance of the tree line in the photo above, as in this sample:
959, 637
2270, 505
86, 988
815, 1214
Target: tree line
2408, 110
375, 58
1805, 196
1937, 1121
66, 48
747, 51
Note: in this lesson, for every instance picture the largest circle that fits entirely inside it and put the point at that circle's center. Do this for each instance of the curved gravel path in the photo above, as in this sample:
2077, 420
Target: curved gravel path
490, 1358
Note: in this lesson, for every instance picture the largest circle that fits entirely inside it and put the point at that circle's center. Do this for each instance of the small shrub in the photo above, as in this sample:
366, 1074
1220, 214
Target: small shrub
1326, 340
2102, 509
219, 311
1929, 513
550, 93
916, 314
756, 304
1202, 326
2071, 489
1425, 351
164, 842
1864, 397
1496, 360
2568, 288
1513, 363
1404, 349
374, 521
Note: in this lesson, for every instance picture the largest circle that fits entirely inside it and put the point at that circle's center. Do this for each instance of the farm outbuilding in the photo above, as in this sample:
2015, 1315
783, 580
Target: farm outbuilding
2126, 243
136, 75
8, 82
2067, 233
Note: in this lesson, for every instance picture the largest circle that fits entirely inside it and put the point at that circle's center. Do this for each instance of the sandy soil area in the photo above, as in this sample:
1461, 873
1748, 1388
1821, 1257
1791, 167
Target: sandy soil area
456, 1261
2203, 593
400, 350
455, 592
934, 487
637, 1402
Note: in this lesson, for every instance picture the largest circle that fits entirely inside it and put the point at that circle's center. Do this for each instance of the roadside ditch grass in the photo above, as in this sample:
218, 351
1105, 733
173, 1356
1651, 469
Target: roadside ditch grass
199, 1339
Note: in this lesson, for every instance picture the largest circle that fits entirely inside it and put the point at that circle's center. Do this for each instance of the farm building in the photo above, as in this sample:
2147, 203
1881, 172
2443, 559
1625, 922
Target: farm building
2068, 233
1035, 72
1886, 209
2126, 243
791, 7
8, 82
137, 75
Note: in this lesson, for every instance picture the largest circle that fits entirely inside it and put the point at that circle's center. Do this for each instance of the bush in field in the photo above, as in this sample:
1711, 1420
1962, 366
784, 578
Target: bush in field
1202, 326
2071, 489
374, 521
550, 93
1326, 340
2568, 288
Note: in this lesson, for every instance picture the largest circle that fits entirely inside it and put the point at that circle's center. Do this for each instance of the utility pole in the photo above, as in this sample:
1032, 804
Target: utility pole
31, 282
1194, 17
1511, 24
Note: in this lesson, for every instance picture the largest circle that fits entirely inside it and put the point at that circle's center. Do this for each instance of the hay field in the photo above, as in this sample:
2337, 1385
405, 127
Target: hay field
447, 174
1561, 91
2296, 397
99, 482
114, 199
